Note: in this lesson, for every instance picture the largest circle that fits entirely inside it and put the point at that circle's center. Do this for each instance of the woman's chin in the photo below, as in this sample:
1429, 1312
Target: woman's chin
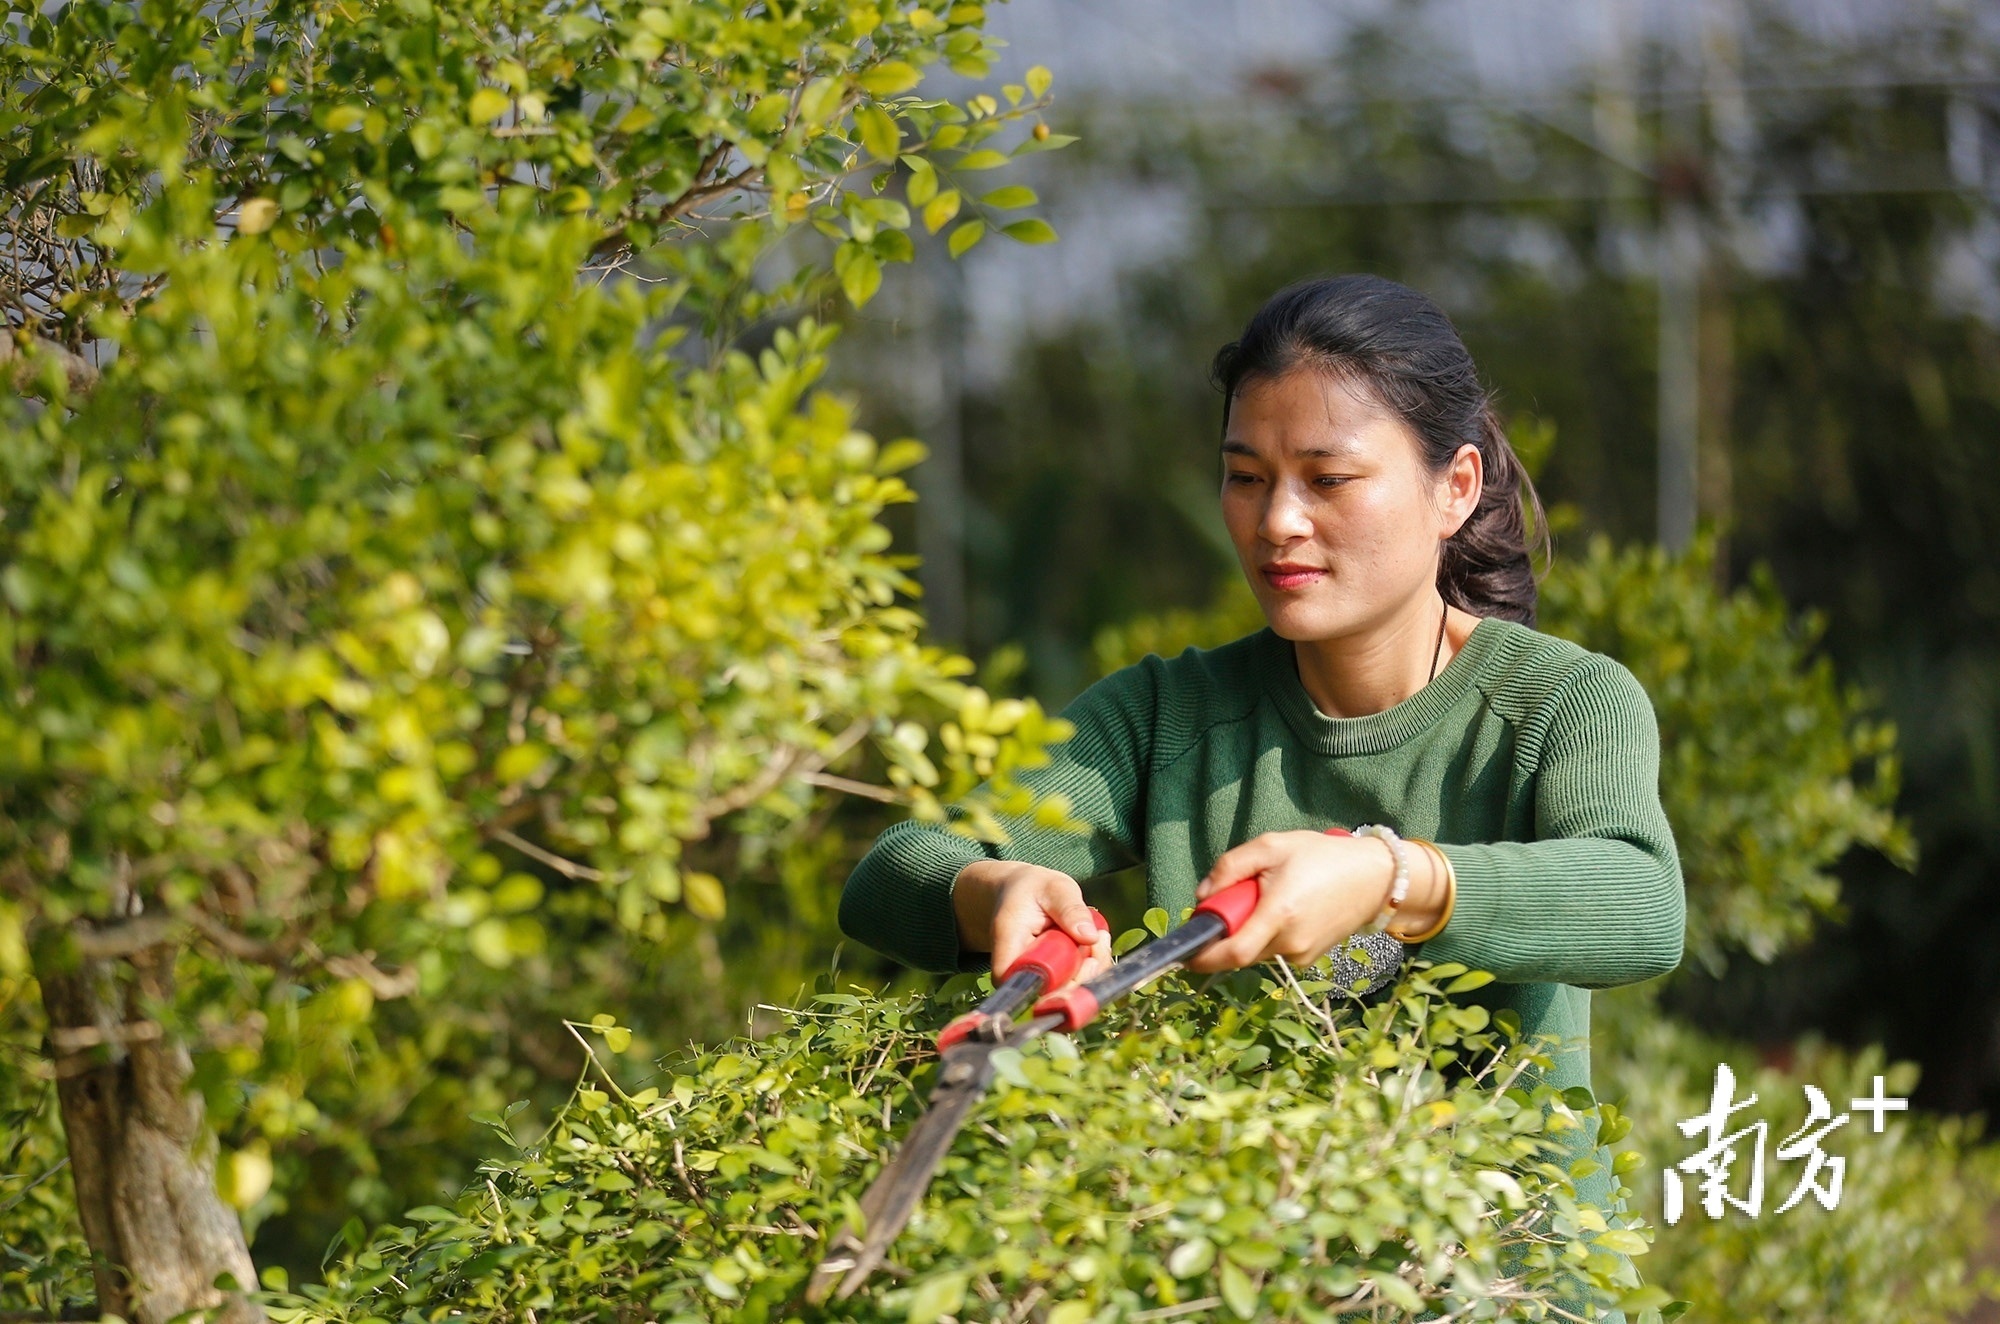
1302, 621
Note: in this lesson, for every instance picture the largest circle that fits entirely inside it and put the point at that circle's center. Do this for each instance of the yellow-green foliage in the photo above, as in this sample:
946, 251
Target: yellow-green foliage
417, 598
343, 124
1240, 1153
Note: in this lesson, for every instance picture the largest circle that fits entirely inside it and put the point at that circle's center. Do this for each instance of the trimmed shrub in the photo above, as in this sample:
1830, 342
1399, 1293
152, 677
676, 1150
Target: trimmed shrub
1244, 1152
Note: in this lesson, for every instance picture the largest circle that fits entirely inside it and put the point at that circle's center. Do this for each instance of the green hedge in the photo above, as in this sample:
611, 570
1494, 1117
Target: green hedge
1238, 1153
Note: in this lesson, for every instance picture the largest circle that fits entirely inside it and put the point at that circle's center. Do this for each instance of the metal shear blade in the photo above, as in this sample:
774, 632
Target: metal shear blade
890, 1200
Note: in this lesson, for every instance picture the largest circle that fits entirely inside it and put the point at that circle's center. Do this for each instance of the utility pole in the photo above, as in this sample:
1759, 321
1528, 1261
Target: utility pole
1679, 172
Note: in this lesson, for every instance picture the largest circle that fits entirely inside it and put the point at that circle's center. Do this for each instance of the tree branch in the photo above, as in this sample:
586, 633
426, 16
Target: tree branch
849, 786
239, 945
68, 1041
386, 985
125, 937
567, 868
23, 367
22, 1194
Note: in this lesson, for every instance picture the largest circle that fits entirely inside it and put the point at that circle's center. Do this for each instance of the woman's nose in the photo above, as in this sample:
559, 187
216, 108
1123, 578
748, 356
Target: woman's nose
1285, 518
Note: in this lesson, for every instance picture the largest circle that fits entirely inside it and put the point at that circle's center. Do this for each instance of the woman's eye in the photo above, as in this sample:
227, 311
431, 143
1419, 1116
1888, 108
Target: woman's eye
1330, 480
1239, 479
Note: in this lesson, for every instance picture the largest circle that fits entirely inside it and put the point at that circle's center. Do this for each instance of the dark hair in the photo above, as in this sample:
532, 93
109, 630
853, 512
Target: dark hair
1399, 346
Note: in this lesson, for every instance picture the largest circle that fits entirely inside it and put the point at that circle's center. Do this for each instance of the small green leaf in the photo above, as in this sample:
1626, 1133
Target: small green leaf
939, 211
256, 216
859, 270
983, 159
1238, 1292
1010, 196
898, 455
1038, 79
965, 236
878, 131
1465, 983
1048, 144
1397, 1291
890, 77
702, 894
1649, 1297
937, 1297
1255, 1254
1034, 230
1624, 1241
893, 246
487, 105
923, 185
818, 102
1191, 1259
1155, 921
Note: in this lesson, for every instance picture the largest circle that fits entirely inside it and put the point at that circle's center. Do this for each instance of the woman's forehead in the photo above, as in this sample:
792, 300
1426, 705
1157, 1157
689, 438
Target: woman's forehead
1306, 415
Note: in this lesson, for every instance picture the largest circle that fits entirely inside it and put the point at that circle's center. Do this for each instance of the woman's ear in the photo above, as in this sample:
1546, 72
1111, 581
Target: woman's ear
1459, 488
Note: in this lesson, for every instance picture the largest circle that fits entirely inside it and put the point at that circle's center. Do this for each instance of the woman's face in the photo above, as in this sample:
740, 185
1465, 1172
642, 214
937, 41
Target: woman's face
1335, 517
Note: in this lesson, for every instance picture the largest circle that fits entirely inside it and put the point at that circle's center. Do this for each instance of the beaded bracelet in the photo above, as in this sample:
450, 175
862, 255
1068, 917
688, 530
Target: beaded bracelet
1399, 887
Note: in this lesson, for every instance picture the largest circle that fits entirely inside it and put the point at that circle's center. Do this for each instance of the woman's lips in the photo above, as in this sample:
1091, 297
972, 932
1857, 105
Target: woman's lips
1291, 576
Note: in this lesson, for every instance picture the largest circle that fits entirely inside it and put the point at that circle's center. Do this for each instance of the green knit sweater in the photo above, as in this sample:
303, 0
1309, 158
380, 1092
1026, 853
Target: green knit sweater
1533, 763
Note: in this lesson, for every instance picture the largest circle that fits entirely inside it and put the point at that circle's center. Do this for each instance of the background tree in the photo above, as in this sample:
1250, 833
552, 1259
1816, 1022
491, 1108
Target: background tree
410, 578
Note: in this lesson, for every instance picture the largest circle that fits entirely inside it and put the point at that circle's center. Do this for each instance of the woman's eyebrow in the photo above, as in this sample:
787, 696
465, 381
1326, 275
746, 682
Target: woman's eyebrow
1234, 447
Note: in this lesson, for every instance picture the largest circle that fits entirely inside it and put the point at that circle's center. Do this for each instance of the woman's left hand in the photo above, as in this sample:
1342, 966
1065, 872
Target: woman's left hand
1315, 891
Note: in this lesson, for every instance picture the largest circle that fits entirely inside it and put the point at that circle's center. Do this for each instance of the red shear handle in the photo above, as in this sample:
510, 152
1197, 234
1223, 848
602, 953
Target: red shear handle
1050, 962
1233, 904
1055, 955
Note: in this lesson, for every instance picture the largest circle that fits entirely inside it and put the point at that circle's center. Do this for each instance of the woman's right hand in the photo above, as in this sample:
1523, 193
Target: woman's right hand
1002, 906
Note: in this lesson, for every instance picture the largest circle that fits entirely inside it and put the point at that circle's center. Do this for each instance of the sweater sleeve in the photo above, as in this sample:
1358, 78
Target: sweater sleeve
1596, 899
898, 899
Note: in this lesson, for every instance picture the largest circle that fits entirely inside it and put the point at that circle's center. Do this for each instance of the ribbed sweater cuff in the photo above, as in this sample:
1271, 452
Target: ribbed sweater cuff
898, 900
1478, 917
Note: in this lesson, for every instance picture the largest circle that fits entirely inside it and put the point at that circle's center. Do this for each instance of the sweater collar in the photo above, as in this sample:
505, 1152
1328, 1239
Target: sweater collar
1391, 727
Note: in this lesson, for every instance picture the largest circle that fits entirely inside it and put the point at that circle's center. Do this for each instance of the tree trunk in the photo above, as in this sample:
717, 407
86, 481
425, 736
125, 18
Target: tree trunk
142, 1160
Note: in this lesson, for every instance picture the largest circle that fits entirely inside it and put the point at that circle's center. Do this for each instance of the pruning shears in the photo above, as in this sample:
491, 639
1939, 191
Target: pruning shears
968, 1045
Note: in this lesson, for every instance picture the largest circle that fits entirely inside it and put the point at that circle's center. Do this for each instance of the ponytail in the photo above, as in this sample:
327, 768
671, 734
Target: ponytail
1488, 566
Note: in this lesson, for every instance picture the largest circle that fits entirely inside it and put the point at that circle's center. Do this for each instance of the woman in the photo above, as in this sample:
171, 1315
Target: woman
1377, 511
